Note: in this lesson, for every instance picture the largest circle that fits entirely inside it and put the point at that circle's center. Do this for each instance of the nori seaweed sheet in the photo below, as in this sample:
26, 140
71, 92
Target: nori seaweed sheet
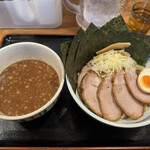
65, 47
87, 36
114, 31
71, 55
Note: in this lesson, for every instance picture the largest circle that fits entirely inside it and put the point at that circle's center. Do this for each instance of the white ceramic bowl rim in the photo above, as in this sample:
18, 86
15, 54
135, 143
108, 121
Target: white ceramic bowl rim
94, 116
52, 99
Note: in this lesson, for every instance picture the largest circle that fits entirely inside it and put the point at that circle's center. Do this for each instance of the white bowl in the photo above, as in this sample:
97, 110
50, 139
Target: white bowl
125, 123
29, 50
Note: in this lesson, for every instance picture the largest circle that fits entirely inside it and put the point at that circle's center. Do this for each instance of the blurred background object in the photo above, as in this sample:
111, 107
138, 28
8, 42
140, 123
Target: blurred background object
139, 20
127, 7
30, 13
98, 12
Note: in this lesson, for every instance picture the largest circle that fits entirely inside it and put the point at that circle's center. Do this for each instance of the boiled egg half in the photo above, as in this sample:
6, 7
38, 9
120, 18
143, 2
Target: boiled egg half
144, 80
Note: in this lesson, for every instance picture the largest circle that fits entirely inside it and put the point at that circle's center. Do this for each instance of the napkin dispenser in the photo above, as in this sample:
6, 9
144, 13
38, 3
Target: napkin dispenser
30, 13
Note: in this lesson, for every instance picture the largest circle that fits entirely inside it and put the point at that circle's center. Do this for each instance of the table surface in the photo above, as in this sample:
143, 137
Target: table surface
68, 27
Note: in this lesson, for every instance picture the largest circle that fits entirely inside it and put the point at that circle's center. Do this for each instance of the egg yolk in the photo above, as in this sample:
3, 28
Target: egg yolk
146, 81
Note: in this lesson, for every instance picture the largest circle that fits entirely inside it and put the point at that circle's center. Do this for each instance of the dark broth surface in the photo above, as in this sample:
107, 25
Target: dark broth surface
25, 86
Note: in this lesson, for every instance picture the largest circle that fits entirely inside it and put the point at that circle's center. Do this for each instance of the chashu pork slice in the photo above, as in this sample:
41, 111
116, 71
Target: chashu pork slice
131, 80
84, 70
109, 108
129, 105
89, 87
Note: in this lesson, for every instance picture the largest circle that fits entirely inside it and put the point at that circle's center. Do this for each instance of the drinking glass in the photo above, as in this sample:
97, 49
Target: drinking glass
98, 12
139, 20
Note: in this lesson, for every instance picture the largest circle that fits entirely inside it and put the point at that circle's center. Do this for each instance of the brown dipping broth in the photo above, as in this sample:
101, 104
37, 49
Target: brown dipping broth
25, 86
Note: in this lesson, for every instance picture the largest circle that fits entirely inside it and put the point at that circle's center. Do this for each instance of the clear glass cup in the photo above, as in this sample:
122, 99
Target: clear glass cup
139, 20
96, 11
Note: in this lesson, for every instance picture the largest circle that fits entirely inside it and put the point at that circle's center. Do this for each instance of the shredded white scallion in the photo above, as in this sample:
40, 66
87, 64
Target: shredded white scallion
111, 61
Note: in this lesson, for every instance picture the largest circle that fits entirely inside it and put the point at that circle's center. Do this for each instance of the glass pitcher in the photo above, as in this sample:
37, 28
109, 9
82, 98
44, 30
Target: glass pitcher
96, 11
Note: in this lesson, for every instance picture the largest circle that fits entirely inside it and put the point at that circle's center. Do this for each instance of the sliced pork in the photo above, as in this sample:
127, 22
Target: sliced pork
131, 80
89, 87
84, 70
130, 106
109, 108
